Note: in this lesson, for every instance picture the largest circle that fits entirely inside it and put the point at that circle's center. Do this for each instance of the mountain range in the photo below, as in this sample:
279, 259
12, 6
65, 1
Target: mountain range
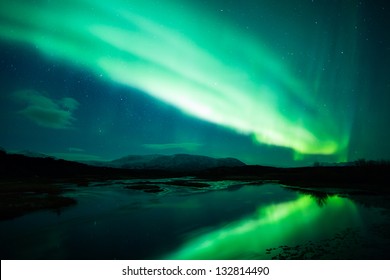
177, 162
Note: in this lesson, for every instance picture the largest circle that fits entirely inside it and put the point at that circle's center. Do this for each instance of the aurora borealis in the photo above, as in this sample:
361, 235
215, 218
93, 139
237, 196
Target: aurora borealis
273, 83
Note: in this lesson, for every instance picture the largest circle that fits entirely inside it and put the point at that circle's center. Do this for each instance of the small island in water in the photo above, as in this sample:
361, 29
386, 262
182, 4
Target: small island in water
191, 207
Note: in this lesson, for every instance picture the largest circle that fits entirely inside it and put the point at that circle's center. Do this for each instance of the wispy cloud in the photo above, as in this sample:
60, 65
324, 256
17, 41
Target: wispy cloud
46, 111
168, 146
75, 150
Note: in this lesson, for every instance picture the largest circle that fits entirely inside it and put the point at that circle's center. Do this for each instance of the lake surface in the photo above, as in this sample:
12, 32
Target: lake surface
228, 220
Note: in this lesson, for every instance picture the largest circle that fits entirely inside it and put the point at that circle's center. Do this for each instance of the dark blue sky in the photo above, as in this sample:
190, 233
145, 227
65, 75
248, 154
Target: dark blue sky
277, 82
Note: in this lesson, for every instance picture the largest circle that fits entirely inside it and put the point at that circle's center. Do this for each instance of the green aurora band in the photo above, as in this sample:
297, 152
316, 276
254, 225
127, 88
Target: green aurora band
179, 54
284, 223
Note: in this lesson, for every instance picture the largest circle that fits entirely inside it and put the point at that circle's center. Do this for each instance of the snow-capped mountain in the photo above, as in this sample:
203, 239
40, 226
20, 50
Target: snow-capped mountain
180, 162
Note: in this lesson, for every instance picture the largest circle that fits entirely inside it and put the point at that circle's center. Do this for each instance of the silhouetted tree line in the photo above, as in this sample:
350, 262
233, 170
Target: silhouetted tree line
364, 162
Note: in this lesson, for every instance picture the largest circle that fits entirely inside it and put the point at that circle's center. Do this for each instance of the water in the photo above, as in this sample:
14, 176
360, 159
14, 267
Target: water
228, 220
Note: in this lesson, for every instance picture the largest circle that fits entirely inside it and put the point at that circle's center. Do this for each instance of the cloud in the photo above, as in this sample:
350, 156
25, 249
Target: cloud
47, 112
69, 103
168, 146
75, 150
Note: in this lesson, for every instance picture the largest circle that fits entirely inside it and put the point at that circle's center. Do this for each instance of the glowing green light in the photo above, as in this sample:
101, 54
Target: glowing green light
167, 52
271, 226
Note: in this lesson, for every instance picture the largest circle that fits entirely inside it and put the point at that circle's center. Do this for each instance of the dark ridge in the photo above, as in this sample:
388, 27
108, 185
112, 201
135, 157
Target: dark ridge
21, 167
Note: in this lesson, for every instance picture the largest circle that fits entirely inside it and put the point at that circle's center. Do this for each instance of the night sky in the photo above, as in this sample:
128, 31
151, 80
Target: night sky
283, 83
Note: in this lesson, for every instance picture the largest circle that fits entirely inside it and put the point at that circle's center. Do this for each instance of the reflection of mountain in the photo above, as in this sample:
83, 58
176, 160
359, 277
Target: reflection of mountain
178, 162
